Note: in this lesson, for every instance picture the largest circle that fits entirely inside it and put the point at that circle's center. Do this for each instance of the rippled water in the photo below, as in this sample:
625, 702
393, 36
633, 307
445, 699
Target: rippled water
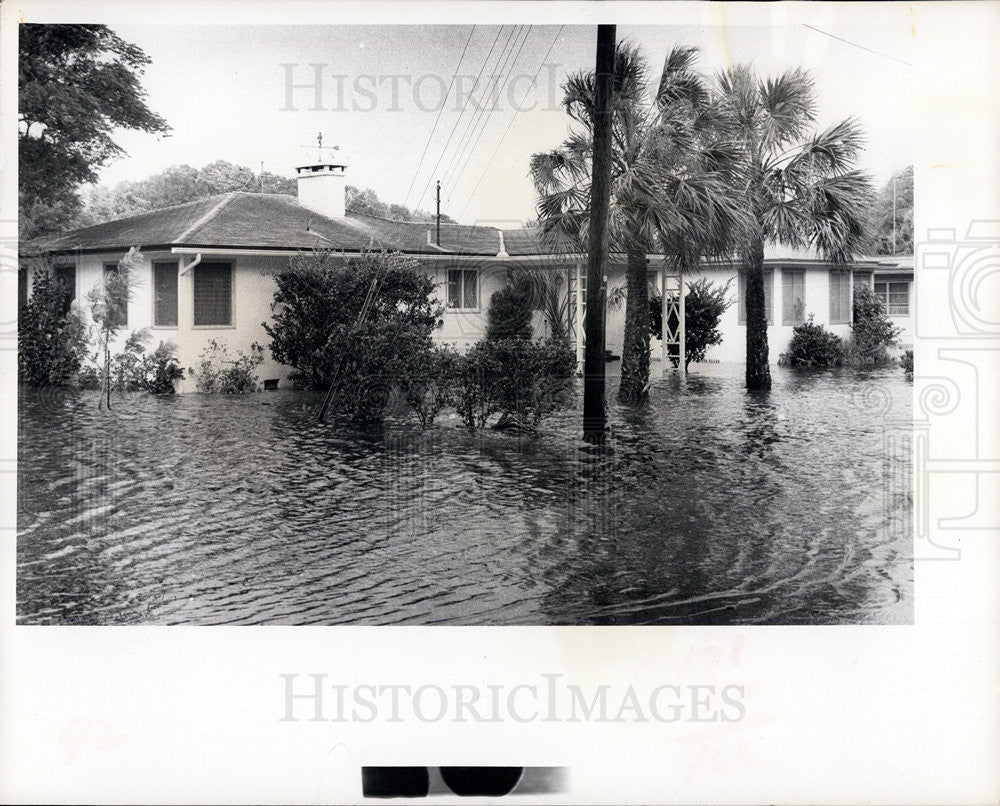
709, 505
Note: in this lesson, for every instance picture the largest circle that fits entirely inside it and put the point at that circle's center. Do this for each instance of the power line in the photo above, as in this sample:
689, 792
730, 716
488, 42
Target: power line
501, 63
474, 143
855, 44
461, 112
444, 103
511, 123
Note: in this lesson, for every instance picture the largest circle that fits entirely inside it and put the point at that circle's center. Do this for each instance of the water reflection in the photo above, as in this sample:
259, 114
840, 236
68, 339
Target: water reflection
707, 505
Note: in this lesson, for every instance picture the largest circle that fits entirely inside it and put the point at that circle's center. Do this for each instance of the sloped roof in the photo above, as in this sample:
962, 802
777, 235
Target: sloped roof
269, 221
278, 221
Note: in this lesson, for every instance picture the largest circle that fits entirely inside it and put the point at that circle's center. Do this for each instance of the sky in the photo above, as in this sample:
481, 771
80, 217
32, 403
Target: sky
231, 92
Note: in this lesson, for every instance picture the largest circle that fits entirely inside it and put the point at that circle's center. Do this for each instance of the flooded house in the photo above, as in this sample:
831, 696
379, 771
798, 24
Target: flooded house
207, 269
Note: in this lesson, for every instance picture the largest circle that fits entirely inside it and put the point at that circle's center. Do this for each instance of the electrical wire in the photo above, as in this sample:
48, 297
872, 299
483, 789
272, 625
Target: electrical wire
511, 123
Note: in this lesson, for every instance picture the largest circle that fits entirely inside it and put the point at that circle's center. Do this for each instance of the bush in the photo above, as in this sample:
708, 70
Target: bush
218, 372
813, 345
315, 328
428, 383
509, 313
704, 304
133, 370
521, 380
51, 340
872, 333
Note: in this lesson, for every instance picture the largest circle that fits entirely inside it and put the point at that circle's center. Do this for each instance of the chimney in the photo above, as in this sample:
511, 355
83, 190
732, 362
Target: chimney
322, 186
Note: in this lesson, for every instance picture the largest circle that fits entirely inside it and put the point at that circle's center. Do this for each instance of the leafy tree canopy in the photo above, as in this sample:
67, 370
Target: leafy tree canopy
901, 209
77, 84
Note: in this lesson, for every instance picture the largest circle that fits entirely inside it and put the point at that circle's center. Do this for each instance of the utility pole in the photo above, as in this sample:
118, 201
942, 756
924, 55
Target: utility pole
439, 212
594, 421
894, 214
262, 176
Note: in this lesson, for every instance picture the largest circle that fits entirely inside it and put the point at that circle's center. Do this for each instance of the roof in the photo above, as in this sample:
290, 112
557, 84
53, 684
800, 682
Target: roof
269, 221
279, 221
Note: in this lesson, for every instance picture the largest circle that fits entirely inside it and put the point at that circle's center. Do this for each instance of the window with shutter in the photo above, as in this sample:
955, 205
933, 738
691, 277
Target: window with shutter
213, 295
165, 294
793, 296
840, 298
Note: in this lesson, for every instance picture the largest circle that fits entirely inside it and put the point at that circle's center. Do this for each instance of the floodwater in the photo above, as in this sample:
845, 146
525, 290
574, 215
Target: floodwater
709, 505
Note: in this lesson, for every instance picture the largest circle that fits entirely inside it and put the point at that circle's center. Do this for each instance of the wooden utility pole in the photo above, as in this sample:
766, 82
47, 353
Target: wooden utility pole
594, 421
438, 241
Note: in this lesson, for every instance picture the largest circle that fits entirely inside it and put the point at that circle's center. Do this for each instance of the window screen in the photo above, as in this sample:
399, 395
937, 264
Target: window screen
463, 288
895, 296
165, 294
213, 294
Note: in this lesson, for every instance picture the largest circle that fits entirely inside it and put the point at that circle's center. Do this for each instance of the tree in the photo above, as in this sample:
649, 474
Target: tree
894, 203
672, 183
77, 84
176, 185
799, 191
109, 310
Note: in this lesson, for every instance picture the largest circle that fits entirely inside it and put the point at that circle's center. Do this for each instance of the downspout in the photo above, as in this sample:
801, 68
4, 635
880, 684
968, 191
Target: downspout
192, 264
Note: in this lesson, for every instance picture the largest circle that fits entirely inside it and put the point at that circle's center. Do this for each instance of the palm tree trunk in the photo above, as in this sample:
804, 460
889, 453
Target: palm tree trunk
634, 386
758, 374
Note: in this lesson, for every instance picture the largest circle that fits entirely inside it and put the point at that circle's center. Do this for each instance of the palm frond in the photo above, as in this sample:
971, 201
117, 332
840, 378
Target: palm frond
788, 107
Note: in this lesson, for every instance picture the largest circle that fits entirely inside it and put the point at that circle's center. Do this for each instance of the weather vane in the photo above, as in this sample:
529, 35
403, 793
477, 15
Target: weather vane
320, 146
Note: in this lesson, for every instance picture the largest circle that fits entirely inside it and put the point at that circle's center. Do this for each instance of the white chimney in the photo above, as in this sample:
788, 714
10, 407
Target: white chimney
322, 186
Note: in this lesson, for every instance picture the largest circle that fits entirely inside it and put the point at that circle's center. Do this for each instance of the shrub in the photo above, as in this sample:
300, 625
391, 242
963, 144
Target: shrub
521, 380
872, 333
906, 362
813, 345
509, 313
428, 383
133, 370
315, 328
51, 340
218, 372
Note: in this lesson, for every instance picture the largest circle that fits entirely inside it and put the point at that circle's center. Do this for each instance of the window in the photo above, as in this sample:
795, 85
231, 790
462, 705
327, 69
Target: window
793, 296
895, 295
67, 276
768, 289
840, 298
165, 294
652, 278
117, 297
463, 289
213, 295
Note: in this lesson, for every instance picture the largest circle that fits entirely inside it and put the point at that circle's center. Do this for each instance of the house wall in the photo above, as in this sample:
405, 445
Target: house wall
253, 291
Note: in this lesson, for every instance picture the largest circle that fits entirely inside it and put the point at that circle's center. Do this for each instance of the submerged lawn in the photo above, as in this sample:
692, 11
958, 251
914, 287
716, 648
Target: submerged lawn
709, 505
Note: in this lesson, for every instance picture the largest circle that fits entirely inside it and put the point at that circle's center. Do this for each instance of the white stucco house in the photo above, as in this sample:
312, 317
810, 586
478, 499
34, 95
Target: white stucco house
207, 271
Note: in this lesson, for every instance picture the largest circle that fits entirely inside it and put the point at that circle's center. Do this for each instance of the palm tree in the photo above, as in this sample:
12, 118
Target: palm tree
671, 185
800, 192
